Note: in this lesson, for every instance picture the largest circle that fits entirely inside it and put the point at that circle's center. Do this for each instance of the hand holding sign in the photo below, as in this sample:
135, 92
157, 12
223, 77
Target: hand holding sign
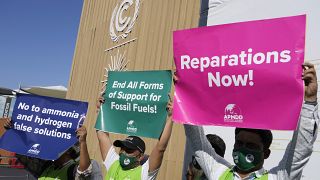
82, 134
7, 123
310, 79
100, 101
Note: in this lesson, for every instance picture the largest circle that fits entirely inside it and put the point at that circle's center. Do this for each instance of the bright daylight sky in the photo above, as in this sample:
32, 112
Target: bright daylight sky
37, 41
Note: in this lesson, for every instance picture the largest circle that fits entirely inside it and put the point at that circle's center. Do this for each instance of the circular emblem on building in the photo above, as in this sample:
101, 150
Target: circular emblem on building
121, 25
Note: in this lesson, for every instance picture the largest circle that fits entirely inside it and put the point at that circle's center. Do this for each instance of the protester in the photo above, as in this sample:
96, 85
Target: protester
87, 170
63, 168
194, 171
66, 167
127, 164
251, 146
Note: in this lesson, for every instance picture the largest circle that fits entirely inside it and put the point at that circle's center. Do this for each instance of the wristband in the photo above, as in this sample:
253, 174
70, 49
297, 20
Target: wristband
314, 103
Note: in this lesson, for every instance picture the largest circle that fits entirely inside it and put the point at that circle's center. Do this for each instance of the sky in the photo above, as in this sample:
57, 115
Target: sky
37, 41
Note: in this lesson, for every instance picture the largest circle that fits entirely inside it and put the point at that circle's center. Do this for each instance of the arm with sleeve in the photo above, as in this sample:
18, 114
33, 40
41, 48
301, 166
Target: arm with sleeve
210, 162
93, 172
300, 148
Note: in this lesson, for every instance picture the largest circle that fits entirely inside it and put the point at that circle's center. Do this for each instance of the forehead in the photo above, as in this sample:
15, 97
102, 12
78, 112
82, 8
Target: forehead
249, 137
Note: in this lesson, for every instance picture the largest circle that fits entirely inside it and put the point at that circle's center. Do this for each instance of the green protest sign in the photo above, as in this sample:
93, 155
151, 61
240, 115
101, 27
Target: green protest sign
135, 103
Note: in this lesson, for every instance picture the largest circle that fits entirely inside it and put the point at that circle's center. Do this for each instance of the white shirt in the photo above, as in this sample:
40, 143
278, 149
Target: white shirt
113, 156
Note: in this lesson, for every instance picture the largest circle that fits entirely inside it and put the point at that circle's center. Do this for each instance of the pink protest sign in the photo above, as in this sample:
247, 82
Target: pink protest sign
244, 74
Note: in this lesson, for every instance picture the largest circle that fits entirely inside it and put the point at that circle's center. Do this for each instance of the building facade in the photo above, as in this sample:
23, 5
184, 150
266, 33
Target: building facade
133, 35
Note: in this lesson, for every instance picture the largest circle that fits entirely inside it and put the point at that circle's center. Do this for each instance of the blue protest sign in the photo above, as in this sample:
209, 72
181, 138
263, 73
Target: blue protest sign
43, 127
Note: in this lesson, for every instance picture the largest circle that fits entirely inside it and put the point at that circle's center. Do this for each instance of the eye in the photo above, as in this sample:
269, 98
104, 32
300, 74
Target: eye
253, 146
238, 144
129, 151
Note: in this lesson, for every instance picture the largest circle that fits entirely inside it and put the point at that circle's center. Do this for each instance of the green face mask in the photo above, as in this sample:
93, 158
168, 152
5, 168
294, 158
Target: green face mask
246, 159
127, 162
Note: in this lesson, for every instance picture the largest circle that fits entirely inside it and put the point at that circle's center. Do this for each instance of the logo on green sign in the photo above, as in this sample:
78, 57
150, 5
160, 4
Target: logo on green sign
131, 127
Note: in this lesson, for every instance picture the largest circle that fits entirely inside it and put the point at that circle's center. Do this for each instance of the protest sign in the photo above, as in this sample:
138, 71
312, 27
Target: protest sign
244, 74
135, 103
43, 127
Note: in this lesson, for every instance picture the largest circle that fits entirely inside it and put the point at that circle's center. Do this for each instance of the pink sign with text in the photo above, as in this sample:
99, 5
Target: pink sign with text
244, 74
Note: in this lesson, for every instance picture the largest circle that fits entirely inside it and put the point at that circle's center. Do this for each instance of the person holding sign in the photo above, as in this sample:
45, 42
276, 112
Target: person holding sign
127, 164
65, 167
87, 170
251, 146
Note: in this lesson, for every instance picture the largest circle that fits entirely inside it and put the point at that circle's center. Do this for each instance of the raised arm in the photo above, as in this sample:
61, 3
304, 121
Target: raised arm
309, 122
299, 150
103, 137
157, 153
84, 154
104, 143
206, 156
195, 135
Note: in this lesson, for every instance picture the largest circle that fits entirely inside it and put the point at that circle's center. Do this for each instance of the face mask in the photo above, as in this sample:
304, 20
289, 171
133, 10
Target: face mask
127, 162
246, 159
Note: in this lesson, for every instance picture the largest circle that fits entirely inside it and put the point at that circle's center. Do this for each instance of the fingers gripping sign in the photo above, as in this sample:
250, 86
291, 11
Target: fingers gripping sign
82, 133
310, 82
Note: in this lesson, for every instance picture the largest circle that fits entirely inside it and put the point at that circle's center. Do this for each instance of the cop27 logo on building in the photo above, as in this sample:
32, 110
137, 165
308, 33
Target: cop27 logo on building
232, 113
121, 25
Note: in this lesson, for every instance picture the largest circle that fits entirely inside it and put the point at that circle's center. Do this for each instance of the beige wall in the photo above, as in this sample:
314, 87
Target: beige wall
152, 50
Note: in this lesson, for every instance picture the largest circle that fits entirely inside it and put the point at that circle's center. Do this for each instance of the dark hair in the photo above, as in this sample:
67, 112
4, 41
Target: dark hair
265, 135
217, 143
